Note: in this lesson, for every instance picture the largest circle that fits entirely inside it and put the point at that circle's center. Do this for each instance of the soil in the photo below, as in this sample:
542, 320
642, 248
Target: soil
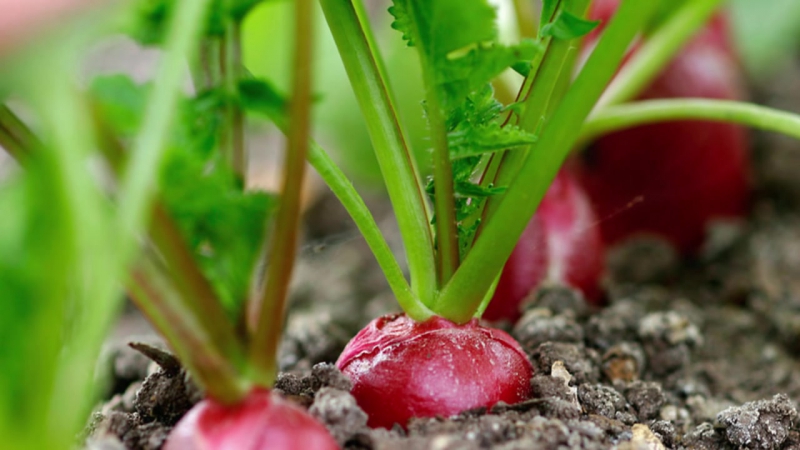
700, 354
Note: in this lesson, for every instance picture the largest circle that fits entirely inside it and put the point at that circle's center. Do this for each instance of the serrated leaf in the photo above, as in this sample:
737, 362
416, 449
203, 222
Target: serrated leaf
402, 22
471, 71
475, 141
568, 26
457, 42
440, 27
466, 189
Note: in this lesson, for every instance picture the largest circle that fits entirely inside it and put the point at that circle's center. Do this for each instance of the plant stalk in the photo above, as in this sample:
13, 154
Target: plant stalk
196, 291
659, 49
526, 18
447, 256
462, 296
629, 115
269, 309
138, 184
394, 157
344, 191
15, 137
231, 62
197, 350
550, 70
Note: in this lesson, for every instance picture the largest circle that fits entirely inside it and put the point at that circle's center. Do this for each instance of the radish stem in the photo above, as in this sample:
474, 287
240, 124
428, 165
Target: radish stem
269, 308
628, 115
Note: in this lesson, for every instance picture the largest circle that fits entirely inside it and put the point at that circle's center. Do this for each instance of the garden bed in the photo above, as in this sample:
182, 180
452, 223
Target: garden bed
700, 354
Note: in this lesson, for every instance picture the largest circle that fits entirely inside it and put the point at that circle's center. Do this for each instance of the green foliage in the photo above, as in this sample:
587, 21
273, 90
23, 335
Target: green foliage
151, 19
458, 46
548, 10
32, 305
568, 26
458, 42
222, 224
261, 97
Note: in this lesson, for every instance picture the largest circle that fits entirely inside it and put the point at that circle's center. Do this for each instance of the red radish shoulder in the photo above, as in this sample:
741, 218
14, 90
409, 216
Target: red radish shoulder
402, 369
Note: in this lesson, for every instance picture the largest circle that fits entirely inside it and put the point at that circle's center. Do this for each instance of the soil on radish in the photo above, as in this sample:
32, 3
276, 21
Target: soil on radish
686, 355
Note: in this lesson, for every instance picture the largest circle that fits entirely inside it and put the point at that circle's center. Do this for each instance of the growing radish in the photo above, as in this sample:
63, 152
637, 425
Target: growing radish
561, 244
436, 359
672, 179
401, 368
261, 421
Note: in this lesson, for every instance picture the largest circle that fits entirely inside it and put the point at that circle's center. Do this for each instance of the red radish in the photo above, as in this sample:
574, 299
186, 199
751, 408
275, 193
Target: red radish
673, 179
561, 244
262, 421
402, 369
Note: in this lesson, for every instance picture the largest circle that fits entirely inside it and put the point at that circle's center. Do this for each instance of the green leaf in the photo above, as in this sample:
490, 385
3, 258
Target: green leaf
568, 26
222, 224
459, 50
444, 26
469, 72
487, 138
548, 10
261, 97
522, 67
467, 189
149, 22
121, 102
457, 41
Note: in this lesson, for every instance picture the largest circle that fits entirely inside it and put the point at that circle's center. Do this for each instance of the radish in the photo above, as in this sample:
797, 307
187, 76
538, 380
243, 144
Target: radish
263, 420
561, 244
673, 179
402, 369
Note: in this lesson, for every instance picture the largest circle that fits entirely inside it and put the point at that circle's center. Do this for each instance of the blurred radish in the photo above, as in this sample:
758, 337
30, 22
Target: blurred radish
561, 244
673, 179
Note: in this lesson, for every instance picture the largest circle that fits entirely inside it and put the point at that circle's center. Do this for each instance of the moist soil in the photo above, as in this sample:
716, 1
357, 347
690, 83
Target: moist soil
686, 354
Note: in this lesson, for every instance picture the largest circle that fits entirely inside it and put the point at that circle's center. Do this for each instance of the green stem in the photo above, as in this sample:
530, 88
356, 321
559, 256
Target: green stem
233, 136
15, 136
447, 257
341, 187
538, 91
138, 183
187, 336
639, 113
195, 289
462, 296
396, 161
92, 297
355, 206
657, 51
270, 310
537, 103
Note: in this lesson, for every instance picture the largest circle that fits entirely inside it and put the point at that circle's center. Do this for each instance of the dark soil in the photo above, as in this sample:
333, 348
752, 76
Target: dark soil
700, 354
